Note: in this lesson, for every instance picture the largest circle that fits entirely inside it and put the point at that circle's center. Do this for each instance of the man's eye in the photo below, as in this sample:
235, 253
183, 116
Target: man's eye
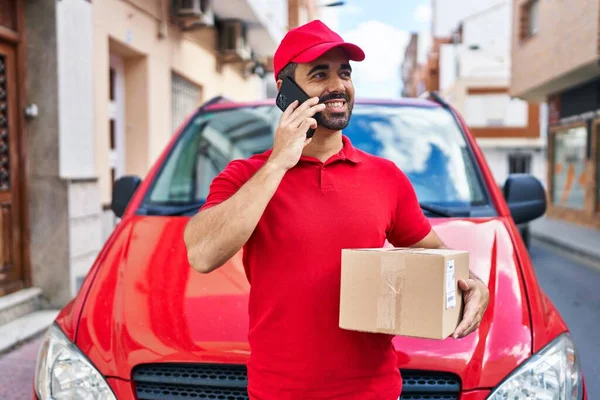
319, 75
346, 74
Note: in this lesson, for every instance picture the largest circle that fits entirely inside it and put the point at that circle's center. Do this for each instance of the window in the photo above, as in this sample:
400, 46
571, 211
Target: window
529, 19
207, 145
532, 25
111, 74
424, 142
519, 163
494, 110
185, 98
568, 175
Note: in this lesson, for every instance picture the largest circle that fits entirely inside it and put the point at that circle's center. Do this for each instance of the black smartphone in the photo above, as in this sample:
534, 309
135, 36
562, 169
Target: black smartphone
288, 93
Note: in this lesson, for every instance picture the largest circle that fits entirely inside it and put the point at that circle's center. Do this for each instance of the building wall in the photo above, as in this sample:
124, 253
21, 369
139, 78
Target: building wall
563, 52
483, 100
448, 13
69, 46
63, 193
490, 30
408, 66
498, 151
521, 133
483, 50
132, 33
301, 12
76, 151
73, 21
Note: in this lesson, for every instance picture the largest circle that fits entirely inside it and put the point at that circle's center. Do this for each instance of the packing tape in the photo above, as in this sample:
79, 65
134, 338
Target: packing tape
390, 295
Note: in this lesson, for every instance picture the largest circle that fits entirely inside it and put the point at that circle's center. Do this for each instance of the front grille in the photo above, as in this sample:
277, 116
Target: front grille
228, 382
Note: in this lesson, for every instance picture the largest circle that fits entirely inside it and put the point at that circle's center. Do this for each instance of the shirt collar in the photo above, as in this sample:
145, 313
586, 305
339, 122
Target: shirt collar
350, 152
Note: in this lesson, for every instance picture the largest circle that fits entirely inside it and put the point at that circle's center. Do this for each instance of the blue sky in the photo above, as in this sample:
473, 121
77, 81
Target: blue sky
382, 28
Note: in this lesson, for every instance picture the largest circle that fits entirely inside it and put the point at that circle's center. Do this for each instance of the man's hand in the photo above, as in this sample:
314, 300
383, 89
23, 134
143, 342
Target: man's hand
290, 137
476, 297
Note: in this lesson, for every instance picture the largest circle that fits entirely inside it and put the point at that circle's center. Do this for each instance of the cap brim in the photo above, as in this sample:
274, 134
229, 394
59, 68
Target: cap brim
354, 52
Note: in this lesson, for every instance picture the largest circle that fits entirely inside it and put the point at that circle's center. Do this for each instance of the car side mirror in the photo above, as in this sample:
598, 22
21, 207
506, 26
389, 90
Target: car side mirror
123, 190
525, 196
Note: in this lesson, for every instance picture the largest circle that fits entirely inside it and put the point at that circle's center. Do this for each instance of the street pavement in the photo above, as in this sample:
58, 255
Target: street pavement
17, 371
572, 284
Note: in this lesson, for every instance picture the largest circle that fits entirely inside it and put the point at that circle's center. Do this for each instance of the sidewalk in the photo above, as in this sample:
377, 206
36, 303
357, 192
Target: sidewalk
579, 240
17, 370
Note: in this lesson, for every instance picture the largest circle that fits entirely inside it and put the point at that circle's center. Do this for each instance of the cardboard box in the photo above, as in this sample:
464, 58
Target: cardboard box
402, 291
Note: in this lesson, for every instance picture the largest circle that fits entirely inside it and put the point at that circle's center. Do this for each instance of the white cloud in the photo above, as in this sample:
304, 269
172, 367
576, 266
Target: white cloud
379, 74
351, 9
330, 17
423, 12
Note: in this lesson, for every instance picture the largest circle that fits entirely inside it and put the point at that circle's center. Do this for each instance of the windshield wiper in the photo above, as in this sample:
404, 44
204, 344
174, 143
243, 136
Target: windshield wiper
174, 210
186, 208
443, 212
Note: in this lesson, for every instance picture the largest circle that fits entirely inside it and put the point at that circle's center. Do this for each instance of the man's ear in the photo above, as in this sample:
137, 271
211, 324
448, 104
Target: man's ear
279, 82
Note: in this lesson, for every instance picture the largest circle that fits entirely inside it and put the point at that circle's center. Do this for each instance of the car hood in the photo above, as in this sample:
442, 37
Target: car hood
147, 305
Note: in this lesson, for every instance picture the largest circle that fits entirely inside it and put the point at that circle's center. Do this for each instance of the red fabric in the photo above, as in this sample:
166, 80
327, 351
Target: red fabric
292, 261
308, 42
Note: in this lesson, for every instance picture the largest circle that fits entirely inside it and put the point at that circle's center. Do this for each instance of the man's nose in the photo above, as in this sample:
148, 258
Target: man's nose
336, 85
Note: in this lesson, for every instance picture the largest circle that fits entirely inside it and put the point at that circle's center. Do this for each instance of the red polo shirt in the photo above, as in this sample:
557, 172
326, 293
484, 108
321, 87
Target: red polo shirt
293, 261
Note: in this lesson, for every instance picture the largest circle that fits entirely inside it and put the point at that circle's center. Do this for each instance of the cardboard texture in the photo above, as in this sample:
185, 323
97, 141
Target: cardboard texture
402, 291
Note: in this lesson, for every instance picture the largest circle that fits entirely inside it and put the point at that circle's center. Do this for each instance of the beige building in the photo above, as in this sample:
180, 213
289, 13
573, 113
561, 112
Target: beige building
91, 90
154, 64
556, 53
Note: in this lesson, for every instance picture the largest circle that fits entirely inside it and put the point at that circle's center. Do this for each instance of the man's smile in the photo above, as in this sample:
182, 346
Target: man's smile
336, 105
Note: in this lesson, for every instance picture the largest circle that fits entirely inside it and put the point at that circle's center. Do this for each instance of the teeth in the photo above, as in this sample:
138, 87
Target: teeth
336, 104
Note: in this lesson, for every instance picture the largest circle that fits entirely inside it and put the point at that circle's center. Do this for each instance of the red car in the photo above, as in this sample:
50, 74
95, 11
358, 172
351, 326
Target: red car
145, 325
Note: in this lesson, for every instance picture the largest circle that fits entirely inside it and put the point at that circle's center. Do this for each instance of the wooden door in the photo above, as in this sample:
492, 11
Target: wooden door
12, 274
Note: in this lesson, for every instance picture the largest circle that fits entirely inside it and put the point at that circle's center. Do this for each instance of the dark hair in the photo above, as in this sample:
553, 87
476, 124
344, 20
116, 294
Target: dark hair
288, 70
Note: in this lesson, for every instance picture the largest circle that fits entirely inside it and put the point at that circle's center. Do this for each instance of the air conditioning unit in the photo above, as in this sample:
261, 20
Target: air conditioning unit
191, 14
233, 40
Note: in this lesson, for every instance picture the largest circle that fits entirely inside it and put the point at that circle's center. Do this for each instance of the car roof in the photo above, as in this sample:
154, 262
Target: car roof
405, 101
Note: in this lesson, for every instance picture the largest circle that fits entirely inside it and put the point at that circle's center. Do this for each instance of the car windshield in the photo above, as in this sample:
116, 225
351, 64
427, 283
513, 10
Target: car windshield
425, 142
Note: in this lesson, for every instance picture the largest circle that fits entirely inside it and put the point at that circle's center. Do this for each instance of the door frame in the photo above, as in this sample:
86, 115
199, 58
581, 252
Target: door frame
18, 163
116, 109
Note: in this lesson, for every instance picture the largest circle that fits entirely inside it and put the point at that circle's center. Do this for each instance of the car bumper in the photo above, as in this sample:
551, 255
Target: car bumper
123, 390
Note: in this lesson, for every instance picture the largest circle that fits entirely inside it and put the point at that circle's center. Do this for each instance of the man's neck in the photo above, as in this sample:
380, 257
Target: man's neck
324, 144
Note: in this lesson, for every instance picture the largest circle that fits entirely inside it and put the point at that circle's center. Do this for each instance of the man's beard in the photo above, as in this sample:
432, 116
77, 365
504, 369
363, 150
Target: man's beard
330, 119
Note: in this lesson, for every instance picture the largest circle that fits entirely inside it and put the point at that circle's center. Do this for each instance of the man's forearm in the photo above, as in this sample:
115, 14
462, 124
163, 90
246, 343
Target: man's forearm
214, 235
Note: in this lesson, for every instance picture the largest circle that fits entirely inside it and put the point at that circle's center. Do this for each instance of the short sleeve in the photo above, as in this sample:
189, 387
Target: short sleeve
409, 223
227, 183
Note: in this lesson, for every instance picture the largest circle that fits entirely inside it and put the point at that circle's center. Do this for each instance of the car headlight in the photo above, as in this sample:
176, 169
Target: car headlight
554, 373
63, 372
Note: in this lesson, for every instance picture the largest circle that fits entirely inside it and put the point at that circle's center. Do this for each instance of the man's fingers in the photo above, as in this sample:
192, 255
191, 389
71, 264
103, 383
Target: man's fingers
307, 109
309, 123
468, 320
472, 327
464, 324
304, 107
294, 109
466, 284
289, 110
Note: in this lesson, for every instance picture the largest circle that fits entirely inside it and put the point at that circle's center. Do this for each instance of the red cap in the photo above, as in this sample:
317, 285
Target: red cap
308, 42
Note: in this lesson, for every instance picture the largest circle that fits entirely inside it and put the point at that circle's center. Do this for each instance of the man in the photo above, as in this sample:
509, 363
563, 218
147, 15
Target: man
293, 209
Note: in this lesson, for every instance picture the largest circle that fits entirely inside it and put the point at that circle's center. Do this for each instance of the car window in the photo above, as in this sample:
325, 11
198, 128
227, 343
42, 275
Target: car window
425, 142
205, 148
